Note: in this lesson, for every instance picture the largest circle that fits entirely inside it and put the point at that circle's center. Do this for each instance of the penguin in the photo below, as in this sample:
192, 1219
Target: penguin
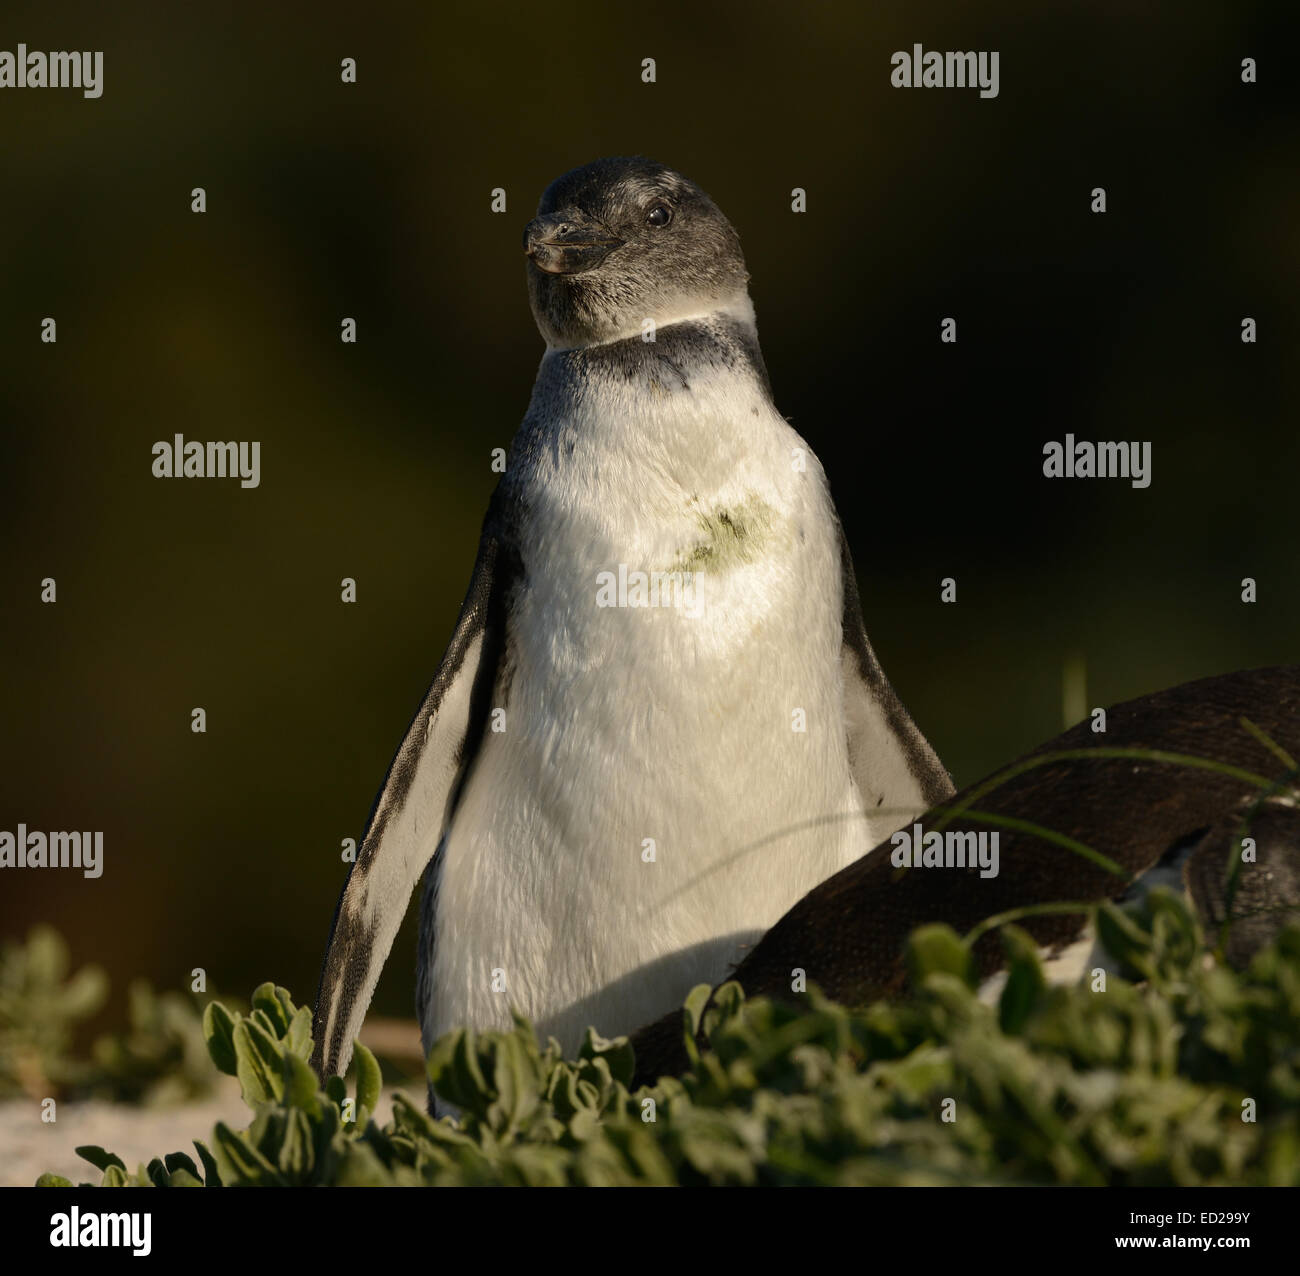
659, 722
1173, 820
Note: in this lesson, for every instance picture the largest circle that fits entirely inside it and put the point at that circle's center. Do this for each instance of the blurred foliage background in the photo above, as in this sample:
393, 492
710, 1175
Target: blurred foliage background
372, 201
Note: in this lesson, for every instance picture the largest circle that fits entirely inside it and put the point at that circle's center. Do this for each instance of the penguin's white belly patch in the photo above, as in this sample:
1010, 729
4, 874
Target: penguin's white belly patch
625, 838
595, 900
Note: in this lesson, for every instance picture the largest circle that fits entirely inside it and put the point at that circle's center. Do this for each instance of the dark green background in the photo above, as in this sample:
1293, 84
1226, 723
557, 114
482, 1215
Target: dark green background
372, 201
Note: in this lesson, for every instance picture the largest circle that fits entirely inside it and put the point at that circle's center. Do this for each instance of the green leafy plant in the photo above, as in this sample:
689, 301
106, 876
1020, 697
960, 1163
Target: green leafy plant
40, 1006
161, 1057
1188, 1075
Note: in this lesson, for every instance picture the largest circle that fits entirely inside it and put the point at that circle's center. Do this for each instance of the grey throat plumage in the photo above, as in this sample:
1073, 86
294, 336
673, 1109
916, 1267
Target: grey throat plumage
659, 722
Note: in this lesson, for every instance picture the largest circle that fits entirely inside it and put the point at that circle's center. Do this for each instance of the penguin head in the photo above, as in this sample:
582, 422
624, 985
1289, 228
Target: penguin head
620, 241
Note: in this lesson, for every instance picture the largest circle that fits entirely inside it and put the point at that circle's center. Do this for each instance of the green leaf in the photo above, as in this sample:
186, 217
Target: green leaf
297, 1150
99, 1158
53, 1180
727, 1002
1025, 980
938, 949
211, 1174
360, 1167
300, 1086
694, 1004
369, 1079
258, 1063
328, 1142
1124, 939
515, 1082
617, 1053
454, 1071
276, 1005
157, 1173
174, 1161
298, 1038
692, 1013
266, 1022
114, 1176
241, 1165
219, 1033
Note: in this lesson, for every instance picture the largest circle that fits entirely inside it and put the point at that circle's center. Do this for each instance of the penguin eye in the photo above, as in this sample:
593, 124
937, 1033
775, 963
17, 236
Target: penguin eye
659, 215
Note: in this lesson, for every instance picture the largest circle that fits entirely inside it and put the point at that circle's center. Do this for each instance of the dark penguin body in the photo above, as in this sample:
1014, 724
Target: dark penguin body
848, 934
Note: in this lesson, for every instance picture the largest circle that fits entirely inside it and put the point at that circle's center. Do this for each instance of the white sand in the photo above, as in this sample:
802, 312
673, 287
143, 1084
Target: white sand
29, 1146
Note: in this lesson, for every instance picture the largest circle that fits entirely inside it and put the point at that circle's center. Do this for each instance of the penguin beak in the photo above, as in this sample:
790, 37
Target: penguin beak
568, 242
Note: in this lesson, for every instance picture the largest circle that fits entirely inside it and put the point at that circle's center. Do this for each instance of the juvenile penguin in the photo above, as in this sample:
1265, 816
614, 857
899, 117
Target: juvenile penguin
659, 722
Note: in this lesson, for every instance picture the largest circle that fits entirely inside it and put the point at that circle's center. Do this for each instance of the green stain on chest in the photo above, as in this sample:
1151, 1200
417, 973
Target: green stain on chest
731, 535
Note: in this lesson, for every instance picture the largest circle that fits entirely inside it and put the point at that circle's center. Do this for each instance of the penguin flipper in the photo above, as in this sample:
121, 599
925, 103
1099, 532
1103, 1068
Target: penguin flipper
892, 762
412, 811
